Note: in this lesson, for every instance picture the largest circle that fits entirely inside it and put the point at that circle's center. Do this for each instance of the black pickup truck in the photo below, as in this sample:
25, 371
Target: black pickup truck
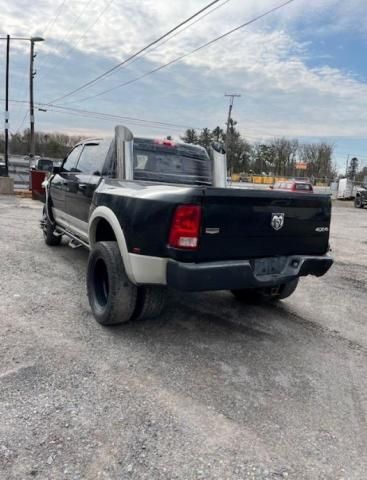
157, 214
360, 200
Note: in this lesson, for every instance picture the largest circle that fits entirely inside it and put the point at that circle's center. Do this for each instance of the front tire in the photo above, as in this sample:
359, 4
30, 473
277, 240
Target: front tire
112, 297
48, 231
358, 202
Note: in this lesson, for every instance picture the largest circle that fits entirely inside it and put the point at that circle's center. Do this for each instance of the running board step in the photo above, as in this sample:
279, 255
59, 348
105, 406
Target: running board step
75, 242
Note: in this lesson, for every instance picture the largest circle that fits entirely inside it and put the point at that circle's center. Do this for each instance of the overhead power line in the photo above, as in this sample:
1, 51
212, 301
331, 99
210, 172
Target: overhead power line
179, 32
25, 108
52, 22
93, 114
68, 32
88, 29
22, 122
181, 57
119, 65
117, 119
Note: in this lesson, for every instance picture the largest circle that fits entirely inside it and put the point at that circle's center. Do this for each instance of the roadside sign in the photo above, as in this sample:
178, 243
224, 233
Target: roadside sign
301, 166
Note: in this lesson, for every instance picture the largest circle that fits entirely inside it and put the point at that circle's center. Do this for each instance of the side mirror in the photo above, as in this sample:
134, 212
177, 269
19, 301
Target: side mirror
56, 170
272, 187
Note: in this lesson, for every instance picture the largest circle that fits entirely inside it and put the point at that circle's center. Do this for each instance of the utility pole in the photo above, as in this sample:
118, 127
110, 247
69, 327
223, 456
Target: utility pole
231, 96
346, 165
31, 106
31, 102
32, 73
6, 153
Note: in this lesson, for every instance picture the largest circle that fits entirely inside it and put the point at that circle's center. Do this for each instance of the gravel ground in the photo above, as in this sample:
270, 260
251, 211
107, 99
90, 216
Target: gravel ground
211, 390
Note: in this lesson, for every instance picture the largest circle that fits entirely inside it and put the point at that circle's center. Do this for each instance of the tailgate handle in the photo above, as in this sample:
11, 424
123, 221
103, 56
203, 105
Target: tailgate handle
280, 202
212, 230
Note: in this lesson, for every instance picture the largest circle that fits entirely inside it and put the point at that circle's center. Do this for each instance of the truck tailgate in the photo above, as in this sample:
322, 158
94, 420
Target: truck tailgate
240, 224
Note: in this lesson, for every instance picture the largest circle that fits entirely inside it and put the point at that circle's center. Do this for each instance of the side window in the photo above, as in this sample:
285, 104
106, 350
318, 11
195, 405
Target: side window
71, 160
92, 159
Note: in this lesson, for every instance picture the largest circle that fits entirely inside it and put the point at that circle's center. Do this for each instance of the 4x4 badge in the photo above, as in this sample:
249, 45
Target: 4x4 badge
277, 220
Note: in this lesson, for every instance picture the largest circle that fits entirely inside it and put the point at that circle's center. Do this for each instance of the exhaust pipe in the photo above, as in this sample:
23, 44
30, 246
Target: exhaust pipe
219, 161
124, 140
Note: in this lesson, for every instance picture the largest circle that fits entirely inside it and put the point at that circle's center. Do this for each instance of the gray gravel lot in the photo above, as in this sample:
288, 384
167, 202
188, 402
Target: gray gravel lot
211, 390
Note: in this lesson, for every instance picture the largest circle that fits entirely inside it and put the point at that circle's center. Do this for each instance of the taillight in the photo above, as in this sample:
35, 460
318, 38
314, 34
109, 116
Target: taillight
185, 227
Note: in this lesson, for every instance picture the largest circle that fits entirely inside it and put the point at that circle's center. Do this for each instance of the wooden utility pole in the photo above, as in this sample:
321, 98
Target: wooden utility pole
31, 102
6, 153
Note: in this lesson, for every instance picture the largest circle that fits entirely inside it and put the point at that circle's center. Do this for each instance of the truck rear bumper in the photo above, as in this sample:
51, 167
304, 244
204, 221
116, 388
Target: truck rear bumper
232, 275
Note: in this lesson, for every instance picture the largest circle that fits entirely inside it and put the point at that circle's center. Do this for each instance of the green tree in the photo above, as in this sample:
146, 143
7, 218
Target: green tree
262, 158
353, 168
190, 136
205, 138
54, 145
218, 134
238, 150
361, 175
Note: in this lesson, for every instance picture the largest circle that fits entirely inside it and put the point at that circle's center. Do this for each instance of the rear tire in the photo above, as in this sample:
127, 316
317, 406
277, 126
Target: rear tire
112, 297
48, 231
151, 302
358, 202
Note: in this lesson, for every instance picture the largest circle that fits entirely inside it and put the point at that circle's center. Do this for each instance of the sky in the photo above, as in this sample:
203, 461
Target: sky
299, 71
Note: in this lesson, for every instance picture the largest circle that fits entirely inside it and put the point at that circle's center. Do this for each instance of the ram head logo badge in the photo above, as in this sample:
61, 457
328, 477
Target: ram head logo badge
277, 220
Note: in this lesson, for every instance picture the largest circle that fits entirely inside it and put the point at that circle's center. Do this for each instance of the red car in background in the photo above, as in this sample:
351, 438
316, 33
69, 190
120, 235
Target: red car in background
300, 186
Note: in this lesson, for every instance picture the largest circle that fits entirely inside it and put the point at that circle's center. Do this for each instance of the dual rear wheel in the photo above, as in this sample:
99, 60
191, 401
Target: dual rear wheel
112, 297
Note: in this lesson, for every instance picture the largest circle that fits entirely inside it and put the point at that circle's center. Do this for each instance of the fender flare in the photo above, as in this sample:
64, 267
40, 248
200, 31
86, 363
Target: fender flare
108, 215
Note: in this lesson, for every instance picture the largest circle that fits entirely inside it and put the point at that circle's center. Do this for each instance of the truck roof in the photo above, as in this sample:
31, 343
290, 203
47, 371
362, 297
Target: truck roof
147, 141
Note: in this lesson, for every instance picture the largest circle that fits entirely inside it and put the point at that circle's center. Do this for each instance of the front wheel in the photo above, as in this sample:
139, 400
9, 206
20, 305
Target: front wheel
48, 230
112, 297
358, 202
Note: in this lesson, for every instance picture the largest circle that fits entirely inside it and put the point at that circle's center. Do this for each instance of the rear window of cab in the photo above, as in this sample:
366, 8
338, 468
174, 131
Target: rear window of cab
303, 186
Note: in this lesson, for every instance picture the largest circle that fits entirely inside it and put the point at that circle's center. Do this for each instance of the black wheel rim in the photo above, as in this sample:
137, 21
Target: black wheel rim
101, 283
358, 202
